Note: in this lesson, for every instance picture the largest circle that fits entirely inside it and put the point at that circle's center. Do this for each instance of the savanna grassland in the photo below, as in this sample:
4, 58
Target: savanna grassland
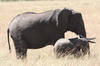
90, 10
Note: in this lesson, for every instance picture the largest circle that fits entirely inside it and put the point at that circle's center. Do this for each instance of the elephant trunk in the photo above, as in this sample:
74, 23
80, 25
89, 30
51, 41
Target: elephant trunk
81, 30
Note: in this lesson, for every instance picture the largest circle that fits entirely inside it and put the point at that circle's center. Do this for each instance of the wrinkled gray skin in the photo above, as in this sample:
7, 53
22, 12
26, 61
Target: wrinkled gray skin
35, 30
74, 46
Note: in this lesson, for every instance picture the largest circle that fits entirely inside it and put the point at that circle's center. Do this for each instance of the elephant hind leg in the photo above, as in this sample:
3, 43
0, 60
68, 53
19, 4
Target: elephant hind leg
21, 52
20, 47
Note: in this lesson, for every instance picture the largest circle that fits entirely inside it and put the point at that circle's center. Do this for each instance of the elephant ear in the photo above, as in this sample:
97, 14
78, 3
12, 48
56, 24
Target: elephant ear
63, 18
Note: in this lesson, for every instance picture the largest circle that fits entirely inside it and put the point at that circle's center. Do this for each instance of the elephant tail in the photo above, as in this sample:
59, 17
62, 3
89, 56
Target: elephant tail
8, 40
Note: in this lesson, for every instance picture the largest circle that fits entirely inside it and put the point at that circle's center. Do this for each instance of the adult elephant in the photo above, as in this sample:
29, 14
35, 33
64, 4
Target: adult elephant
36, 30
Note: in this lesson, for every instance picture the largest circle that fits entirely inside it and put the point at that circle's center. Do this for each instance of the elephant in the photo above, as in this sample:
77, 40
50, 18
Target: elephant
32, 30
73, 46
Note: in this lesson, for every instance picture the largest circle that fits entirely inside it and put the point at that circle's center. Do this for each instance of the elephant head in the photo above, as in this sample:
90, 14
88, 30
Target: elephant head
76, 24
69, 20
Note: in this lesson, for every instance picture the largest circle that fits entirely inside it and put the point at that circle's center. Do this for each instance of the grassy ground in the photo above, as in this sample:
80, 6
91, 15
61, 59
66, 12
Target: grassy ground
44, 57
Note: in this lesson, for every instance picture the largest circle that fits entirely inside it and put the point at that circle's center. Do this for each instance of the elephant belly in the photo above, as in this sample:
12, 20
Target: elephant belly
36, 39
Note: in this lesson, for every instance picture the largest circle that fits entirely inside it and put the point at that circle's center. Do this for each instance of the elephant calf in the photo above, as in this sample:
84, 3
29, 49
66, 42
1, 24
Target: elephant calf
74, 46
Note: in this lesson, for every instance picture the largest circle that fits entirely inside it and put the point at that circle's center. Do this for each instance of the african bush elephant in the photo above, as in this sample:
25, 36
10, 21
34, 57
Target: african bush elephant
35, 30
73, 46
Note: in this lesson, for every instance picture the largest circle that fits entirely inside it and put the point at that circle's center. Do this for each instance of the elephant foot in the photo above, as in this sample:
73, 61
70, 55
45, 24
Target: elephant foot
21, 53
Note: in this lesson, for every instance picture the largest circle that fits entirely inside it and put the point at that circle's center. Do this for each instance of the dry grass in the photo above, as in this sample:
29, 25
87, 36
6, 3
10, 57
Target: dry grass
90, 10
